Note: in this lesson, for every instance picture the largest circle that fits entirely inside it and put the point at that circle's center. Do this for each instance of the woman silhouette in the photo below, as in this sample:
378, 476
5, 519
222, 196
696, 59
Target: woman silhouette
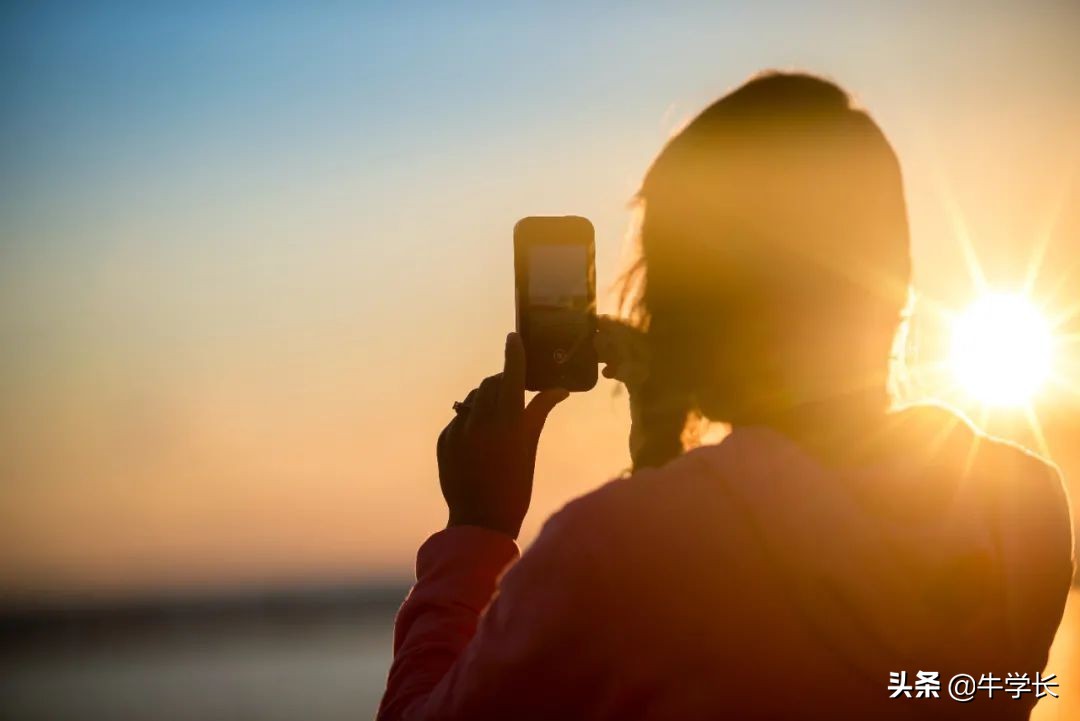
832, 557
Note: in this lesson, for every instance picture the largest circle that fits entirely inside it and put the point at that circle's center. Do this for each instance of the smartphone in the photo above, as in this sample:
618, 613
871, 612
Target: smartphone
556, 301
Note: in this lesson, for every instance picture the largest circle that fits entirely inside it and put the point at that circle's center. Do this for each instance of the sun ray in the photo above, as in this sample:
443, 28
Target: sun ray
960, 229
974, 450
1036, 430
942, 435
1064, 384
1042, 238
1064, 315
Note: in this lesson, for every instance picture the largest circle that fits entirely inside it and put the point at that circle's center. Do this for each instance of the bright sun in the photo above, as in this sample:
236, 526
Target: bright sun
1001, 348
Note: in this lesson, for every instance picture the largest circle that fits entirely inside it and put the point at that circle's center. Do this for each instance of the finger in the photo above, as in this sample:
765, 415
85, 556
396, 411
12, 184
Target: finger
465, 413
540, 406
606, 322
486, 403
458, 421
440, 444
512, 392
449, 436
468, 402
616, 341
603, 343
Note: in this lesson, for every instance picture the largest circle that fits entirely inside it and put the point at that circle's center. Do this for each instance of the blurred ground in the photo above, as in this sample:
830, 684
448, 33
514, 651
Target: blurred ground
318, 659
283, 663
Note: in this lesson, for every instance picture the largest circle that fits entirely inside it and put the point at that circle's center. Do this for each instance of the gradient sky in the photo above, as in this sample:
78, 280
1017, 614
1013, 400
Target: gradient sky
249, 255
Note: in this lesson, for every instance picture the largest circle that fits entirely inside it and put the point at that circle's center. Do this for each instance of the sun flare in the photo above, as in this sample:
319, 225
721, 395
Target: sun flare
1001, 350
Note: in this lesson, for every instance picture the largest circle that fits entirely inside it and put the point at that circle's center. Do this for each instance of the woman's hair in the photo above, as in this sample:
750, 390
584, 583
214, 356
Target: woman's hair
774, 263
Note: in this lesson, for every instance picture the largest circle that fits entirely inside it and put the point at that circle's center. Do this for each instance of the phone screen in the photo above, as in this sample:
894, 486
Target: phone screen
558, 277
559, 300
556, 301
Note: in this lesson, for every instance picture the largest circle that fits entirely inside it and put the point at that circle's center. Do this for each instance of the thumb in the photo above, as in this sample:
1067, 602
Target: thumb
536, 412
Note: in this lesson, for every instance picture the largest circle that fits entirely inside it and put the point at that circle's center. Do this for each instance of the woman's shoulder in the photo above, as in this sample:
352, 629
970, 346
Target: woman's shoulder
655, 504
628, 491
950, 438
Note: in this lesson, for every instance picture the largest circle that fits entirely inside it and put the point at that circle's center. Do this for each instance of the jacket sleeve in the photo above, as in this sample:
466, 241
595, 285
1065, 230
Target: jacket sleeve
468, 645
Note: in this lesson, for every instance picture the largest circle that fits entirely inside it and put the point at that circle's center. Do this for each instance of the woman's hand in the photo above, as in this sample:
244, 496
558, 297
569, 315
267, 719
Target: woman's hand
488, 450
624, 351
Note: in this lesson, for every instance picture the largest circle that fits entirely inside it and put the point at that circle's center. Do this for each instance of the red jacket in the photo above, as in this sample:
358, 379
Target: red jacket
749, 580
